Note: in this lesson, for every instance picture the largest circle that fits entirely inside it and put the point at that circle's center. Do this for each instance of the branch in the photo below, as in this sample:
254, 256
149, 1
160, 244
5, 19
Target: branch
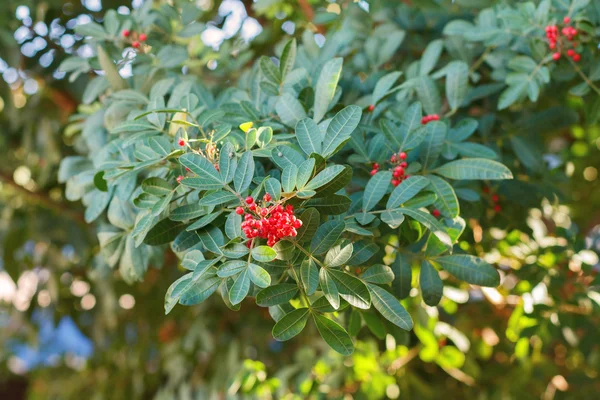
43, 200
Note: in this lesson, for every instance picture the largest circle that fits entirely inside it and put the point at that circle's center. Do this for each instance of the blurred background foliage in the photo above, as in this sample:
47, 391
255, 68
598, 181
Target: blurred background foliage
67, 324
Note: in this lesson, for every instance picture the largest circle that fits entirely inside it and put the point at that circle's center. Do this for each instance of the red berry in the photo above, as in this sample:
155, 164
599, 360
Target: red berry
486, 189
371, 107
179, 178
403, 156
393, 158
181, 142
404, 164
239, 211
497, 208
436, 213
373, 172
576, 57
495, 198
566, 20
435, 117
395, 182
126, 33
143, 37
556, 56
267, 197
135, 44
375, 166
570, 52
249, 200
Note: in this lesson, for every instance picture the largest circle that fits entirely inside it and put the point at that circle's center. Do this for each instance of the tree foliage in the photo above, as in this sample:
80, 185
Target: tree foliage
409, 145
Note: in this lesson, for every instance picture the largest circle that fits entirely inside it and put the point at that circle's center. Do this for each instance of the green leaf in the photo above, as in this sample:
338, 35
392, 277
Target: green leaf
273, 187
309, 274
175, 290
430, 223
334, 335
431, 284
329, 288
244, 172
433, 143
290, 325
288, 178
375, 190
259, 276
156, 186
269, 70
290, 110
340, 128
310, 222
324, 177
277, 294
233, 227
351, 289
212, 238
187, 212
338, 255
463, 130
326, 85
240, 288
406, 191
393, 218
263, 254
231, 268
208, 176
339, 182
331, 205
309, 136
457, 83
227, 162
470, 269
326, 236
363, 251
390, 307
379, 273
163, 232
288, 58
264, 136
284, 156
429, 95
217, 198
305, 171
474, 168
383, 86
513, 93
430, 56
204, 221
446, 201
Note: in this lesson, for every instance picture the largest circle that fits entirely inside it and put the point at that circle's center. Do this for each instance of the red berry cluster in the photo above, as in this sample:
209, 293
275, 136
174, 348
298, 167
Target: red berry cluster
495, 199
428, 118
272, 222
137, 39
398, 168
556, 40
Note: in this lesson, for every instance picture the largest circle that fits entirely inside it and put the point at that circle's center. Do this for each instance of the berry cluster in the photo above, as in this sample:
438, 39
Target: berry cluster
556, 40
428, 118
137, 39
271, 221
399, 166
495, 199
